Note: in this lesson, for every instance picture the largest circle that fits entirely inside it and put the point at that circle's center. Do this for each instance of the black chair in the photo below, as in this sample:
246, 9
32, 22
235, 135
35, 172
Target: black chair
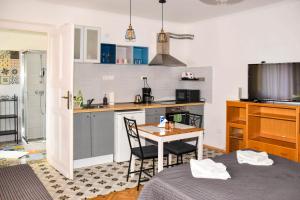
142, 152
179, 148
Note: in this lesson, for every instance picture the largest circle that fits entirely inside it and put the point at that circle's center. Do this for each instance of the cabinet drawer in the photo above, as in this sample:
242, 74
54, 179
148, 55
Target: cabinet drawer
282, 152
273, 149
258, 146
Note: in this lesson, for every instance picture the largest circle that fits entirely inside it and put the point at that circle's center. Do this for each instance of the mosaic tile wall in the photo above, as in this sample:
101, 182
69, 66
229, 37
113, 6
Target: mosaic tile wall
9, 67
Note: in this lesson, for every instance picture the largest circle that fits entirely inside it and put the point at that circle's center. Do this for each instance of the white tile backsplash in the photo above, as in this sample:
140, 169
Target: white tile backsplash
94, 80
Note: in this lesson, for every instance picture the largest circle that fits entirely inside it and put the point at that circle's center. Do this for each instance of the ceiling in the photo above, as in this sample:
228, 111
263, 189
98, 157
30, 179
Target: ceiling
175, 10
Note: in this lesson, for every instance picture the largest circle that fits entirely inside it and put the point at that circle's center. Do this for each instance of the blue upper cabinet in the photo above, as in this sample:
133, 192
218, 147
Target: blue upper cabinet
108, 53
140, 55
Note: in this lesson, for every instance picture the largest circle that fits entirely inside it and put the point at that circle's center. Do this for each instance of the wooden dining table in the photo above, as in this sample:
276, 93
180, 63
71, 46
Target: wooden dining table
162, 135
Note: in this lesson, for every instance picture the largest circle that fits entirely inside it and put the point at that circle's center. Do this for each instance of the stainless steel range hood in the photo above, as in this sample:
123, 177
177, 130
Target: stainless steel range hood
163, 57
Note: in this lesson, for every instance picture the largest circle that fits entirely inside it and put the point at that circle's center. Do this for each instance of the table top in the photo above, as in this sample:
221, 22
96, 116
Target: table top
153, 128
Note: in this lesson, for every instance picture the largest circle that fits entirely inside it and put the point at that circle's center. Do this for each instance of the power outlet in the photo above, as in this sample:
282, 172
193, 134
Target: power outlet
144, 78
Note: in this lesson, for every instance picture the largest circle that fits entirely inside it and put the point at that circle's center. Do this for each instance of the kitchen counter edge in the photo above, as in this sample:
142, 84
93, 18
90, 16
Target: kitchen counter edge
132, 106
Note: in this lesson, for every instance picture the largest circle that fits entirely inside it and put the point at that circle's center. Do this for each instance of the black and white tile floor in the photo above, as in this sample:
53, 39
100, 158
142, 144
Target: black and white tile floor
92, 181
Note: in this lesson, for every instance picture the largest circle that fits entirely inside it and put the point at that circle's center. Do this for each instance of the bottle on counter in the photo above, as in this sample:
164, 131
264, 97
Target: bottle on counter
79, 98
105, 102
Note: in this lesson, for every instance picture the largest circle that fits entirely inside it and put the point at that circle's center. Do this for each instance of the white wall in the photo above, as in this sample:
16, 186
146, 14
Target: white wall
230, 43
113, 25
18, 41
227, 43
21, 40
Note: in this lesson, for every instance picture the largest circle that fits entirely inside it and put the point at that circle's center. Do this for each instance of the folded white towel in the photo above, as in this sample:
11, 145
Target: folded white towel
208, 168
253, 158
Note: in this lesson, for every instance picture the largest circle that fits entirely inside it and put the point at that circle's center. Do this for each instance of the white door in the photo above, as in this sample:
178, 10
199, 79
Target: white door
59, 118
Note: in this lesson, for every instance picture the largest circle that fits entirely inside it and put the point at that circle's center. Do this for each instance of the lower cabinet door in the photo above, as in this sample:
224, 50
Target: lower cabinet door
82, 136
102, 133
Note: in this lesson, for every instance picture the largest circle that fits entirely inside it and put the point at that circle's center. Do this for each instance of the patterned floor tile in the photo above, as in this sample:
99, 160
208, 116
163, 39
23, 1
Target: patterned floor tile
93, 181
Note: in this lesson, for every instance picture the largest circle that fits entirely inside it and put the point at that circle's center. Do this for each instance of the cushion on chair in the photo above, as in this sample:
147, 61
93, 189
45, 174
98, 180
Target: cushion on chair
179, 147
150, 151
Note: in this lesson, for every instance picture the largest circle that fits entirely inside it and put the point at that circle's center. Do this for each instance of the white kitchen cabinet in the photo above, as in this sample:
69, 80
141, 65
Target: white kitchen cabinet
78, 44
87, 44
121, 146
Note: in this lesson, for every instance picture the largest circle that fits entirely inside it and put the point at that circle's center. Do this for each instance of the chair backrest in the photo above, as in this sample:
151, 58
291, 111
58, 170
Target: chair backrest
194, 120
132, 133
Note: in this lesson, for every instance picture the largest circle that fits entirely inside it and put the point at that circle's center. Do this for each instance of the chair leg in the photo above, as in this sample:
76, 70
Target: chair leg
153, 166
196, 155
129, 167
141, 169
181, 160
168, 161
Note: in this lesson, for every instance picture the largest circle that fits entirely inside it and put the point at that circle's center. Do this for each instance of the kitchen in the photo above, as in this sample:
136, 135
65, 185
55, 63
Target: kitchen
96, 128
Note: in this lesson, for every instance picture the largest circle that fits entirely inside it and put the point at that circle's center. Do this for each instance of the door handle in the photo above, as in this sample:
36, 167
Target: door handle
68, 98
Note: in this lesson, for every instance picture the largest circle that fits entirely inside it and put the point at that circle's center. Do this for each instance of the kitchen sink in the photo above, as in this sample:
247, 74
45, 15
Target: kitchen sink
92, 106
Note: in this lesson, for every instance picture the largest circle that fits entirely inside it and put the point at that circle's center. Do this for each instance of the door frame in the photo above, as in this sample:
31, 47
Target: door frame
41, 28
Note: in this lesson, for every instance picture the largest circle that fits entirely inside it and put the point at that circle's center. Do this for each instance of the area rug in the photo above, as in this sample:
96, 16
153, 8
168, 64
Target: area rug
20, 182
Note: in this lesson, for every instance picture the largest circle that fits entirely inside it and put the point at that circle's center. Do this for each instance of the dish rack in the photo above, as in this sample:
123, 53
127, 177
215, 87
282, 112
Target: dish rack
9, 116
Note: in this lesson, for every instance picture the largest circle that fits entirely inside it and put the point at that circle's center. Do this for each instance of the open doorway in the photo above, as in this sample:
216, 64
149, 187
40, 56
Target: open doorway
23, 77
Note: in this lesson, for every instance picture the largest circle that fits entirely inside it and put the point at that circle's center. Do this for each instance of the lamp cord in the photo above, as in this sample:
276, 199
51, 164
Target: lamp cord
130, 11
162, 16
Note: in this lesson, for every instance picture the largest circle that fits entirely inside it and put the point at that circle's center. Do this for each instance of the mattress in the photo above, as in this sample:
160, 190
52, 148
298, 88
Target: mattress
280, 181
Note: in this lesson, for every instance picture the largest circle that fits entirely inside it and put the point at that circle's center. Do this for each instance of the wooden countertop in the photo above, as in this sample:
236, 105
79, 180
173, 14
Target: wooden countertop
132, 106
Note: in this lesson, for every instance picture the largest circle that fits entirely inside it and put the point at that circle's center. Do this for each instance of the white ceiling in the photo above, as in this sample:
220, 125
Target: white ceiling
175, 10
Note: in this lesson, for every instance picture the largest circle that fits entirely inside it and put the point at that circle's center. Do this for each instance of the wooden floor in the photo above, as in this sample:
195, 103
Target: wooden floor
129, 194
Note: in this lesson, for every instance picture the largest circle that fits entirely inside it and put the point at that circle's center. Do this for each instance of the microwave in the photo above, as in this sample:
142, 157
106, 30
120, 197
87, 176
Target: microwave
186, 96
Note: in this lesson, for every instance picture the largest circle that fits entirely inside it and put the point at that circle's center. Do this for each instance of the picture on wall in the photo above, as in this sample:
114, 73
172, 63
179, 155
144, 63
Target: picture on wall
9, 67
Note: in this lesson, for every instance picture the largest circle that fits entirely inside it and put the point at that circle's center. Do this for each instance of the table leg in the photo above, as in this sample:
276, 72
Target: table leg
170, 159
132, 167
160, 164
200, 146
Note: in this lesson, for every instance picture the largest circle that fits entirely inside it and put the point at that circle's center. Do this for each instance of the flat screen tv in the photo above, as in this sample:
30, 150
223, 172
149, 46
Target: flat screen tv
274, 82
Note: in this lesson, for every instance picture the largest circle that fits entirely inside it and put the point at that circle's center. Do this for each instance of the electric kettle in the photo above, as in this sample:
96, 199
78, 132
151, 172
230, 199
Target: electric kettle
137, 99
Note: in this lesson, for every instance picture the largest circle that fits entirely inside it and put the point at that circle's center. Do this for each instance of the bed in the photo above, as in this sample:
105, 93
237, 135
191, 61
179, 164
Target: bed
280, 181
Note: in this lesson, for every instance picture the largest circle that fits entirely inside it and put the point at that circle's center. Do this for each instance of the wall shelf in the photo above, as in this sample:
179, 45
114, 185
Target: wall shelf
195, 79
108, 53
281, 143
124, 55
274, 116
140, 55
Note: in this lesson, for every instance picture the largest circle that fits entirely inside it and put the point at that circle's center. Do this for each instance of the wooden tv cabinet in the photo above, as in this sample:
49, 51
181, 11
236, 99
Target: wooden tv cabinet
273, 128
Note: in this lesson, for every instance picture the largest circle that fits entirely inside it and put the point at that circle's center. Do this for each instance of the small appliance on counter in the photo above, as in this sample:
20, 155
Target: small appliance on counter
147, 93
105, 100
187, 96
111, 98
147, 97
138, 99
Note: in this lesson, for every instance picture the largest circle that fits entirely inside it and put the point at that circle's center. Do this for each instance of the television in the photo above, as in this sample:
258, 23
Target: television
274, 82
